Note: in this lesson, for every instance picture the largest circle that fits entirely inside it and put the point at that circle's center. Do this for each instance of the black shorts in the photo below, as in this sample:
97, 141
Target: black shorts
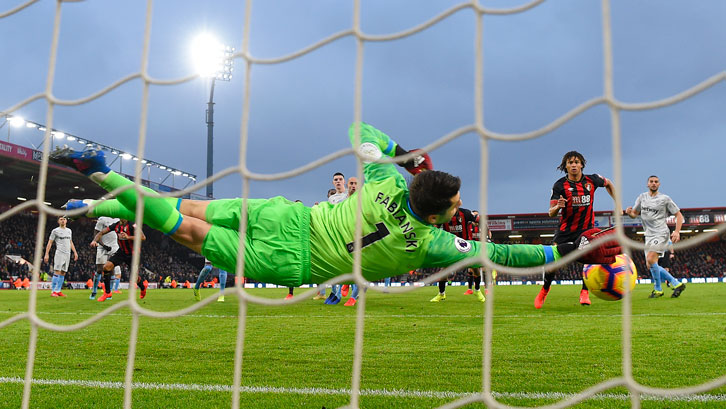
564, 237
120, 258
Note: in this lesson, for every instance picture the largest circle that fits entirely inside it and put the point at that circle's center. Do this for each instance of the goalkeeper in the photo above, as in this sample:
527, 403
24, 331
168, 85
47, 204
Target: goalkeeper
289, 244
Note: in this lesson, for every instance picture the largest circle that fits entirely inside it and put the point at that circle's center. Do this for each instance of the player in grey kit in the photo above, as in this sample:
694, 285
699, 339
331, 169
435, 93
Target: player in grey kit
62, 237
107, 247
654, 208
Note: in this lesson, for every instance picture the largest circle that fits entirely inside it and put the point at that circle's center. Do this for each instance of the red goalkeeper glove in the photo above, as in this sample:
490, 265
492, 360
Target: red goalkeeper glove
418, 163
604, 254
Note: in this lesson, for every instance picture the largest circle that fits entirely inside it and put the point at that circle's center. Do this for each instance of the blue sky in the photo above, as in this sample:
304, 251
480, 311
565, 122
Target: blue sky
538, 65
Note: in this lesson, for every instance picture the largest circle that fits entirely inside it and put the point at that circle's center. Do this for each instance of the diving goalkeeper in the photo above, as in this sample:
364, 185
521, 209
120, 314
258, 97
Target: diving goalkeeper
289, 244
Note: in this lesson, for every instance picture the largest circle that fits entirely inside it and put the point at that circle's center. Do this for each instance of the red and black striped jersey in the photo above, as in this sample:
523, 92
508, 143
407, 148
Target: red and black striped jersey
125, 246
460, 223
577, 215
474, 232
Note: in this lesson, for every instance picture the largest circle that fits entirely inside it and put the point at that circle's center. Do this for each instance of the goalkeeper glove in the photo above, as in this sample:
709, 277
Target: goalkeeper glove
418, 163
603, 254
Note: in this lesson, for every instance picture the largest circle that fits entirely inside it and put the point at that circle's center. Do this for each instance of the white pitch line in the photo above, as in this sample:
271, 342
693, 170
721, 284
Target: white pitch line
373, 316
395, 393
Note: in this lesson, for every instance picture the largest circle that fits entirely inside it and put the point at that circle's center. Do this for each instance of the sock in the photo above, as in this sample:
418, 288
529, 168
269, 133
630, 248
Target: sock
110, 208
442, 286
665, 274
548, 279
289, 290
140, 283
114, 208
223, 280
116, 283
336, 290
61, 279
159, 214
321, 290
470, 281
202, 276
580, 268
96, 280
477, 284
354, 292
107, 281
53, 282
655, 273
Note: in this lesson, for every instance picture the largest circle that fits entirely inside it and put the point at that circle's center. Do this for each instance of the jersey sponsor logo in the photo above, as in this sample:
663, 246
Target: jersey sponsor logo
649, 209
403, 223
581, 200
462, 245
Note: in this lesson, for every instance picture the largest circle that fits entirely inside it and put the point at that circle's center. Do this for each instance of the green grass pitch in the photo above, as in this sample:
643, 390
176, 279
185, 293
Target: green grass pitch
416, 354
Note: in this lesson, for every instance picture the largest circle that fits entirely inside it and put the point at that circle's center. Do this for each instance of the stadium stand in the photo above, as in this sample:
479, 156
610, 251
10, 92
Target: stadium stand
160, 255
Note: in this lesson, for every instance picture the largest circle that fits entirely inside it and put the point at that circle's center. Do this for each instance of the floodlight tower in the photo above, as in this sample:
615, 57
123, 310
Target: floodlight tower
213, 60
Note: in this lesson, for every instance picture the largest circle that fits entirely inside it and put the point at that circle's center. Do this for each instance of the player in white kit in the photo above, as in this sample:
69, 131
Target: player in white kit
63, 239
654, 208
106, 248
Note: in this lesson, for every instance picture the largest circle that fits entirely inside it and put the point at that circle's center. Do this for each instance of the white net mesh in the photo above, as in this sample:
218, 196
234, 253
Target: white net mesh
608, 99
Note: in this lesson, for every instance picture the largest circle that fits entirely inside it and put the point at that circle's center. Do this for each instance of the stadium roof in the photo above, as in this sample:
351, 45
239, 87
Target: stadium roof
19, 178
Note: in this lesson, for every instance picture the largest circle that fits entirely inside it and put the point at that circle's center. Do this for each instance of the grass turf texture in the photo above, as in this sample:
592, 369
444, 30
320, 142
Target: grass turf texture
430, 352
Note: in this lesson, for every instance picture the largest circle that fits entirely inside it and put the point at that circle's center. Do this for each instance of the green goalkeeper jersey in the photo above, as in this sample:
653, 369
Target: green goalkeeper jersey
394, 240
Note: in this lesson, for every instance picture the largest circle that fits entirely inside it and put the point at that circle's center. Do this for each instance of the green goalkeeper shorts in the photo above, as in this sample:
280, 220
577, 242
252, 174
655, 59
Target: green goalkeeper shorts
277, 243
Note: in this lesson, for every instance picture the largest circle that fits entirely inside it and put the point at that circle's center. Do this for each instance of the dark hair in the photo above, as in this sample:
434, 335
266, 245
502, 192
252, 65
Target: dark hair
653, 176
338, 173
331, 192
568, 155
431, 191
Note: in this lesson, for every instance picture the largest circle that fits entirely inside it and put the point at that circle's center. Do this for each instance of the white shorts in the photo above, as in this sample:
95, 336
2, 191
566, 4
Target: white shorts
658, 244
61, 261
102, 255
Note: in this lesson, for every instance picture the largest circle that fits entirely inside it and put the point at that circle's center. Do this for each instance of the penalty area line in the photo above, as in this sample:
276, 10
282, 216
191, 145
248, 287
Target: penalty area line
394, 393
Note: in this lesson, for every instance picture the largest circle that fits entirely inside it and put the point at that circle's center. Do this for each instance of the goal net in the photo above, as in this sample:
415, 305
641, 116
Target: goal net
361, 41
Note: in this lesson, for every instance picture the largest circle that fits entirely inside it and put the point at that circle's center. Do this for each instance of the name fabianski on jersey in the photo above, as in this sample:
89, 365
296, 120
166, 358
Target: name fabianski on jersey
405, 225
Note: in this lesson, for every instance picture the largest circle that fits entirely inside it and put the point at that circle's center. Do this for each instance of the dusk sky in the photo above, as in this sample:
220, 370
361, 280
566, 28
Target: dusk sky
538, 65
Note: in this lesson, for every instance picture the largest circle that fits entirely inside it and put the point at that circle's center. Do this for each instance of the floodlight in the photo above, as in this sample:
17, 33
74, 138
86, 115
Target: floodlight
126, 155
16, 121
205, 51
58, 134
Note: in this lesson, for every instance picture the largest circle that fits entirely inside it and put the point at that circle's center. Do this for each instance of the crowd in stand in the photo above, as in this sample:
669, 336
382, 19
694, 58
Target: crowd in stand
160, 255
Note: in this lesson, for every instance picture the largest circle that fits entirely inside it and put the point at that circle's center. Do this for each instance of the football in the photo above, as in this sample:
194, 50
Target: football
611, 281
